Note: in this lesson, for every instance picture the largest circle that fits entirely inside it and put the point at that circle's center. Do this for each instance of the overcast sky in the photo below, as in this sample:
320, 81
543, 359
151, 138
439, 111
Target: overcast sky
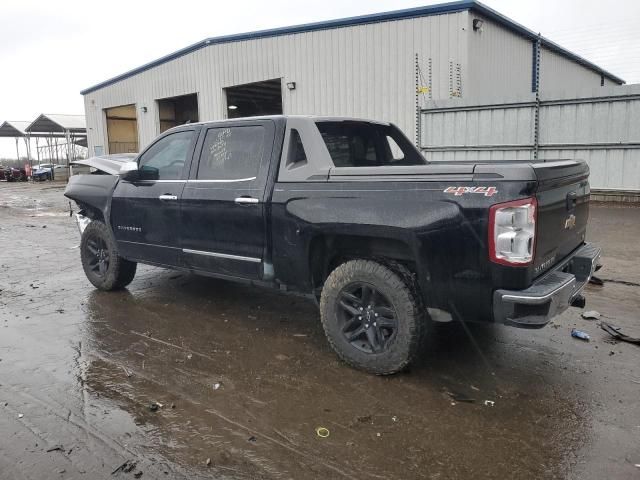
49, 51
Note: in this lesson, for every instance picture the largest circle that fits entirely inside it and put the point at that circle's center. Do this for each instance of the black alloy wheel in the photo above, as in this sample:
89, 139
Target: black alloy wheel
372, 315
98, 258
101, 263
368, 319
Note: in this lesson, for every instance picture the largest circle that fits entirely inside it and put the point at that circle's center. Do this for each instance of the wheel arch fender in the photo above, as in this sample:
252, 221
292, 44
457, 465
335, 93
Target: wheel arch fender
93, 194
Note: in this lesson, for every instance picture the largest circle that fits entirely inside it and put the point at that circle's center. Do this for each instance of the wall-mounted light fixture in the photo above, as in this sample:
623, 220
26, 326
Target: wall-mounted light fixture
232, 107
477, 25
291, 85
144, 109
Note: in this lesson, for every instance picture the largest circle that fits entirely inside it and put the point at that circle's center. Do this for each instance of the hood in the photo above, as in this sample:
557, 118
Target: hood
108, 163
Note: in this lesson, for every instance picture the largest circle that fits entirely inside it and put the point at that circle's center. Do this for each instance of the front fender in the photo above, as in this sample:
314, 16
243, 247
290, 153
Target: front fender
92, 192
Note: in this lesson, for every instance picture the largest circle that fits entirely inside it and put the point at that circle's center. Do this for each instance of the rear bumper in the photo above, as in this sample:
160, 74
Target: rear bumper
549, 295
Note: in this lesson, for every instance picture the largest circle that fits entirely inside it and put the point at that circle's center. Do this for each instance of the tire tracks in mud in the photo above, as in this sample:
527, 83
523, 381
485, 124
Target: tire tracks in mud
77, 427
304, 454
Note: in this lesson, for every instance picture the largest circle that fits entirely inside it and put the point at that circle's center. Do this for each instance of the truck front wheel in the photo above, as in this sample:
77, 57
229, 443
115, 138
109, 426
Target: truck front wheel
371, 317
102, 265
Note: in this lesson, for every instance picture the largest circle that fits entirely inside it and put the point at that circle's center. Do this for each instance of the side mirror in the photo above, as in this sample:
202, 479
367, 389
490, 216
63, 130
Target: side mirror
129, 171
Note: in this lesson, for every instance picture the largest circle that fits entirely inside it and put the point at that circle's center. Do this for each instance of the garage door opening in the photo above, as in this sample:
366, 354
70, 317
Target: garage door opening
176, 111
122, 129
253, 99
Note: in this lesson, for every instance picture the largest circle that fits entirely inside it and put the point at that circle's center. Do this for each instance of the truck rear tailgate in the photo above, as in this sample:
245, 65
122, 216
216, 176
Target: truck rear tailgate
563, 210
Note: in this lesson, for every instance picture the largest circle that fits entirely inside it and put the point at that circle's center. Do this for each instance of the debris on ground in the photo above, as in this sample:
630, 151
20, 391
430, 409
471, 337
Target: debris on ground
20, 415
208, 462
138, 474
460, 397
323, 432
591, 315
616, 333
365, 419
252, 439
489, 403
127, 467
154, 406
127, 372
217, 385
575, 333
56, 448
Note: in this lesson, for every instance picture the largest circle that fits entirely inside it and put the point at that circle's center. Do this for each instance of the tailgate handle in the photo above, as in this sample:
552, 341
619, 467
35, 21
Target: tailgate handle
572, 198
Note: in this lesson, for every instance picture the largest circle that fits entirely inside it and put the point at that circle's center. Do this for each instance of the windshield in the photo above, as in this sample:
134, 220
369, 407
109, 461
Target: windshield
363, 144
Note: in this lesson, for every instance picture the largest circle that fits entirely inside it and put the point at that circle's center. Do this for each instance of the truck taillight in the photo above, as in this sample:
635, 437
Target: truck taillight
512, 232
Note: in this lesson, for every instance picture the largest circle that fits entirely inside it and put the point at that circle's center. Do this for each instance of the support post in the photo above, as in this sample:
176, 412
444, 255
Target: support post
67, 136
417, 93
536, 79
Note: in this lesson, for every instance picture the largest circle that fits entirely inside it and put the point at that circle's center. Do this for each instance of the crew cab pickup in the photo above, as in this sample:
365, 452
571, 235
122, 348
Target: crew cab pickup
350, 213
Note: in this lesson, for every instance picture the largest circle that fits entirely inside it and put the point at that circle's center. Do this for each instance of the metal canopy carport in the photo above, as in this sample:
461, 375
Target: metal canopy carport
16, 129
51, 127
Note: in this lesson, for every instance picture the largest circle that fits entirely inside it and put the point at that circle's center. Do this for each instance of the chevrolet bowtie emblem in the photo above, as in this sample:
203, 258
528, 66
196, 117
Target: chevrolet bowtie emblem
570, 222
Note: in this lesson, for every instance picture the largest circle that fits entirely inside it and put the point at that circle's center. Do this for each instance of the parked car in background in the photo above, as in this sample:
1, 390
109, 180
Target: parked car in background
2, 172
43, 172
13, 174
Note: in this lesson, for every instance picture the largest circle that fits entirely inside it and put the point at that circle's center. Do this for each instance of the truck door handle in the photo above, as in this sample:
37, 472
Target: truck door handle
246, 200
167, 197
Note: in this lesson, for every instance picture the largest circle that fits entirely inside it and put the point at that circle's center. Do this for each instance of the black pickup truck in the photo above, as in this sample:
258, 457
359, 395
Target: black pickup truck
350, 213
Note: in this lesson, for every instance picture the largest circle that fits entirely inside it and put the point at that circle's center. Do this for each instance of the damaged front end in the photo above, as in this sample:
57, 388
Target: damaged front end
92, 192
82, 221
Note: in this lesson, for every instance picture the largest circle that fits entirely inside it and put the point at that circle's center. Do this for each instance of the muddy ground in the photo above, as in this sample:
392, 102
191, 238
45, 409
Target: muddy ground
245, 377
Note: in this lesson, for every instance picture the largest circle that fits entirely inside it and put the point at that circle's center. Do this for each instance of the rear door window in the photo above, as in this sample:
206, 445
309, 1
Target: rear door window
232, 153
362, 144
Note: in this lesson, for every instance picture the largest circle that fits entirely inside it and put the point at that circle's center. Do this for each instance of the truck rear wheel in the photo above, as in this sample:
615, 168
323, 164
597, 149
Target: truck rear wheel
371, 317
102, 265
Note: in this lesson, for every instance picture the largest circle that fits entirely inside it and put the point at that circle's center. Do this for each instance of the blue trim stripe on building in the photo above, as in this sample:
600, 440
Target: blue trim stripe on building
450, 7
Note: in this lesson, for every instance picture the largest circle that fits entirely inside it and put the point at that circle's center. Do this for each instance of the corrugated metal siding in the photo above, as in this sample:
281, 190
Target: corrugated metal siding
557, 72
600, 126
499, 61
364, 71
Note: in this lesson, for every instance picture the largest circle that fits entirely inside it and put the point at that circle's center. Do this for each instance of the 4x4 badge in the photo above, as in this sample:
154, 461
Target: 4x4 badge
458, 191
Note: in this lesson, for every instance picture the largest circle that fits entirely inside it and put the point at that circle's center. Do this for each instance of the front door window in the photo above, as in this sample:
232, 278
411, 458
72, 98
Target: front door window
165, 160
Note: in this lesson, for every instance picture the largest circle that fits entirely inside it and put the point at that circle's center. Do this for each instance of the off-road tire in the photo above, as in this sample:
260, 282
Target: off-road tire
401, 294
119, 273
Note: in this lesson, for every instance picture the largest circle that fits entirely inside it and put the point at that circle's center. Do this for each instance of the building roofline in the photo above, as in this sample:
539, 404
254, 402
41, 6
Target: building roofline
531, 35
449, 7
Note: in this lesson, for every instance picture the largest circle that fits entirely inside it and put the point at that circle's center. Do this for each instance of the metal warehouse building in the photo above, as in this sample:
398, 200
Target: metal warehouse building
383, 66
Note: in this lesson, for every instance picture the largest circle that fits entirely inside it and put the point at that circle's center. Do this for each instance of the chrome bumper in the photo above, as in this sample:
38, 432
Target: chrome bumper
549, 295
